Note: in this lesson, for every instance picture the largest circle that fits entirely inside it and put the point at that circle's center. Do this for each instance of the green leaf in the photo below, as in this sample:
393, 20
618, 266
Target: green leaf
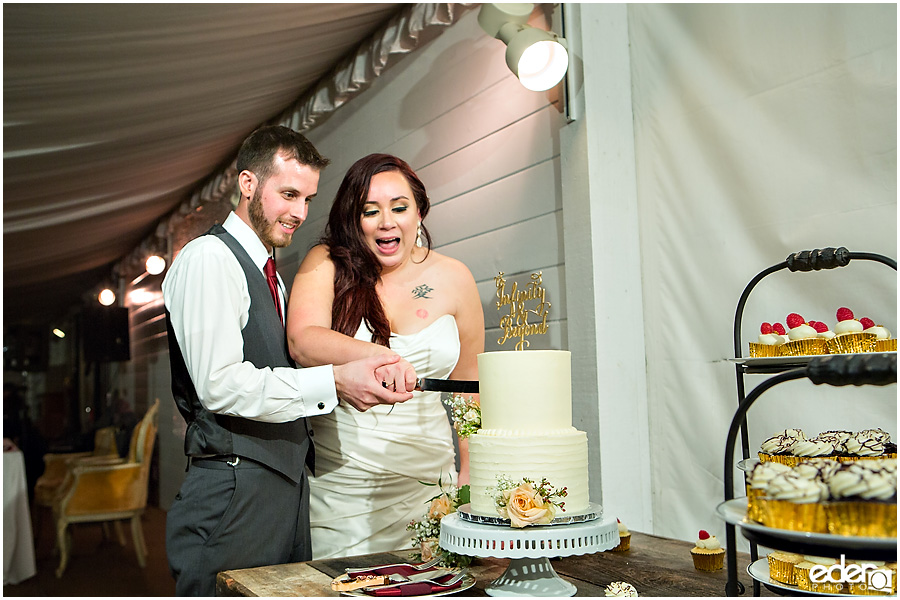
465, 495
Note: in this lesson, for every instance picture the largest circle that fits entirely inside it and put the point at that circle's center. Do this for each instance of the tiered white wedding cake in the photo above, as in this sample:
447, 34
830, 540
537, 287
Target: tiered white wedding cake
526, 418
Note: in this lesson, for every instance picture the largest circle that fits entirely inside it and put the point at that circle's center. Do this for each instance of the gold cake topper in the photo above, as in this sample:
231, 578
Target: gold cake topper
515, 324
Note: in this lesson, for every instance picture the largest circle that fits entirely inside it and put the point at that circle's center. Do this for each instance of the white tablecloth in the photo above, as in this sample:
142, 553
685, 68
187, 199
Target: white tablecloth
18, 539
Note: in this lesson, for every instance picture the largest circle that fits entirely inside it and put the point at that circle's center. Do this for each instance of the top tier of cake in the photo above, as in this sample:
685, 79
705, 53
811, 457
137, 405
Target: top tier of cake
525, 391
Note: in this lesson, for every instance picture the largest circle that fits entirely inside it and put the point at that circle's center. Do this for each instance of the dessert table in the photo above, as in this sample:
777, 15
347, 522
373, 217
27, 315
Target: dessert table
655, 566
18, 539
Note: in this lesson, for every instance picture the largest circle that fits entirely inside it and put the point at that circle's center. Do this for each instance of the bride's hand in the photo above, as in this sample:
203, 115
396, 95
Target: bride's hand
400, 376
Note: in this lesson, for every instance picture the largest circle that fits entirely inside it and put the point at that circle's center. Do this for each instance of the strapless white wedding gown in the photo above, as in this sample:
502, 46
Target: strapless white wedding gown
369, 465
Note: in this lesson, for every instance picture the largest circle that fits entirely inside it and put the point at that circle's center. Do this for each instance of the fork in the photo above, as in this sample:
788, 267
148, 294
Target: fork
450, 582
421, 567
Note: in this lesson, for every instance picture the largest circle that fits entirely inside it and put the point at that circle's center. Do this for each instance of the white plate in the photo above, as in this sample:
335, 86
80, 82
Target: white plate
759, 571
467, 582
734, 512
747, 464
761, 361
592, 512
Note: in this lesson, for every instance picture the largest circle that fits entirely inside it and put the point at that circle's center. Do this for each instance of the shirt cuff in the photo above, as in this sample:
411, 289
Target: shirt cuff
318, 393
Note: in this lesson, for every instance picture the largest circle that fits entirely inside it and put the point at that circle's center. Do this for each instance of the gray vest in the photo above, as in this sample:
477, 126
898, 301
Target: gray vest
284, 447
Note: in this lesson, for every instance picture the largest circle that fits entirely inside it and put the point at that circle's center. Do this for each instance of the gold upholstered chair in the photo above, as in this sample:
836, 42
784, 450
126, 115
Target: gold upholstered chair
57, 464
101, 490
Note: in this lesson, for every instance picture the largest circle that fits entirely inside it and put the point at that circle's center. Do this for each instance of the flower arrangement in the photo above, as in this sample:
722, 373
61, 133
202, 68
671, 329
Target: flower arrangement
466, 413
525, 504
427, 531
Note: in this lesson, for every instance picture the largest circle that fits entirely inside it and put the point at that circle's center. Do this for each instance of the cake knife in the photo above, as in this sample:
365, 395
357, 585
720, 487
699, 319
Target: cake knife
458, 386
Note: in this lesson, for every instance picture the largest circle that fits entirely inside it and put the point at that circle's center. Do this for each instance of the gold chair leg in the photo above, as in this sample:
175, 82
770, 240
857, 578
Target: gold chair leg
62, 543
137, 534
120, 533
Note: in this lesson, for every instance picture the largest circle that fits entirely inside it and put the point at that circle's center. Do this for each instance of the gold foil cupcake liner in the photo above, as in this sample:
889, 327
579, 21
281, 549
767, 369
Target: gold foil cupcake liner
710, 561
811, 346
781, 570
755, 503
861, 518
850, 343
624, 543
767, 350
784, 514
801, 577
886, 345
785, 459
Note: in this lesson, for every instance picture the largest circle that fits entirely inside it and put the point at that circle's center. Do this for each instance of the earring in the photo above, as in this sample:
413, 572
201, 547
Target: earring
420, 241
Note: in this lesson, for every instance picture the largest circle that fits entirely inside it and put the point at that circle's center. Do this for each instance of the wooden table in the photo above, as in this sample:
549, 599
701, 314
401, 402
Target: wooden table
655, 566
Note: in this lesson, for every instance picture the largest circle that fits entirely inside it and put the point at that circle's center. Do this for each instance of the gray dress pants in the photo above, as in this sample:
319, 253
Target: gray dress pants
234, 517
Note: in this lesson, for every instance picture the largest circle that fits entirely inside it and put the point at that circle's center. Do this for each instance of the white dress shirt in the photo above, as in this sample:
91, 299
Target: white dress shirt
205, 292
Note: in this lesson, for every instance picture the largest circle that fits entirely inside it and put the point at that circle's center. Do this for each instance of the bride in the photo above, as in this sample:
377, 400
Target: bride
374, 286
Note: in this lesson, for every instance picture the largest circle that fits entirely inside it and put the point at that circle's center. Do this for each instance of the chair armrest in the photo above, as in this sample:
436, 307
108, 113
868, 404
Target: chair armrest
105, 489
98, 461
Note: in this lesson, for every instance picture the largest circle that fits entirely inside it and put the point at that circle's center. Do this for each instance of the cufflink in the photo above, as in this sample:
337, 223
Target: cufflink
321, 406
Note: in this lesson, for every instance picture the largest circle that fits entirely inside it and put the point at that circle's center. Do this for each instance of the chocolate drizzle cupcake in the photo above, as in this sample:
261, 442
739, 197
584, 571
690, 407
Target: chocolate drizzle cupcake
863, 500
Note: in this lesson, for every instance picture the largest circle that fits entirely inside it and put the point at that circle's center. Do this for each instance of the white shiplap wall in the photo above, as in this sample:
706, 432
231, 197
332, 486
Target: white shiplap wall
486, 149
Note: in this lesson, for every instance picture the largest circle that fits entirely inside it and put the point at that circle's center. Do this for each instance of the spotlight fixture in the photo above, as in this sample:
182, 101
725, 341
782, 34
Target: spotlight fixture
537, 57
59, 333
155, 264
107, 297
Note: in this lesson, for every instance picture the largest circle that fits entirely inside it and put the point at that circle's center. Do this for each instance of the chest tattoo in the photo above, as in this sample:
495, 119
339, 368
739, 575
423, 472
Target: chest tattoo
422, 291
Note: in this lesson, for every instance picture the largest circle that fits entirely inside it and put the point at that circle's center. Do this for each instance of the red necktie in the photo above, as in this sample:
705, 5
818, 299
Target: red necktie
272, 280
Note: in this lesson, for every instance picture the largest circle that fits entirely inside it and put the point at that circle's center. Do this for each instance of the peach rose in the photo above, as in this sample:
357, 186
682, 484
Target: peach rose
524, 507
428, 548
440, 507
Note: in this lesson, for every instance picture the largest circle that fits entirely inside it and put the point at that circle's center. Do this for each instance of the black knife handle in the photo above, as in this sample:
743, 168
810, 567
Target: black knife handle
447, 385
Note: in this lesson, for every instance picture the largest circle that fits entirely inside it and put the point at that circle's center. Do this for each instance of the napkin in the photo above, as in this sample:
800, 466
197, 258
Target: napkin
419, 588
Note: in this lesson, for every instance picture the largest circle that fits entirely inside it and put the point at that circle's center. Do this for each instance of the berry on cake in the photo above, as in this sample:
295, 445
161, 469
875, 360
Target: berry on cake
849, 335
769, 342
707, 552
804, 339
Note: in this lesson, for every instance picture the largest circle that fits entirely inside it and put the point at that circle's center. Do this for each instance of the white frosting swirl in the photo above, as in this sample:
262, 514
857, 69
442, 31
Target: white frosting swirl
848, 326
803, 332
622, 529
858, 481
710, 543
621, 588
778, 444
796, 489
813, 447
764, 472
794, 433
877, 434
771, 339
820, 469
881, 333
827, 334
863, 444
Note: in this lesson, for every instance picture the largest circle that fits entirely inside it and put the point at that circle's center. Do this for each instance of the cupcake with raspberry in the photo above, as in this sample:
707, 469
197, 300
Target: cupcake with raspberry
883, 340
624, 537
707, 552
849, 336
804, 339
822, 330
769, 342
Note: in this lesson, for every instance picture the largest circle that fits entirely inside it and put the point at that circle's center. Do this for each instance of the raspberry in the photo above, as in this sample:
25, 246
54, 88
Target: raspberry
704, 535
819, 326
765, 328
794, 320
844, 314
867, 322
779, 328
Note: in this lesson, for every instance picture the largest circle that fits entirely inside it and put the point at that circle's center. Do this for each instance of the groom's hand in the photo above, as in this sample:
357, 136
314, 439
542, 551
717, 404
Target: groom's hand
358, 385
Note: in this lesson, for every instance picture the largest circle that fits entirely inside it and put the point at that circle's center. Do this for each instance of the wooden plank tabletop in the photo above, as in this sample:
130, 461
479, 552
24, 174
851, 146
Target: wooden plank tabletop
655, 566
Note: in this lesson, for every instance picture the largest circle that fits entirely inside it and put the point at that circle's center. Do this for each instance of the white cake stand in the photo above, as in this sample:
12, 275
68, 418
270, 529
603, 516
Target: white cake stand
529, 572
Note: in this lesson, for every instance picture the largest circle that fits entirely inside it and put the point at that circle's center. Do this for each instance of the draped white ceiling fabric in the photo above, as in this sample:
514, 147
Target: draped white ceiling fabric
115, 115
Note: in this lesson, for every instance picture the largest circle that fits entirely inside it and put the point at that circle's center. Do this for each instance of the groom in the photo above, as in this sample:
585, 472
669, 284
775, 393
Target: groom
245, 499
